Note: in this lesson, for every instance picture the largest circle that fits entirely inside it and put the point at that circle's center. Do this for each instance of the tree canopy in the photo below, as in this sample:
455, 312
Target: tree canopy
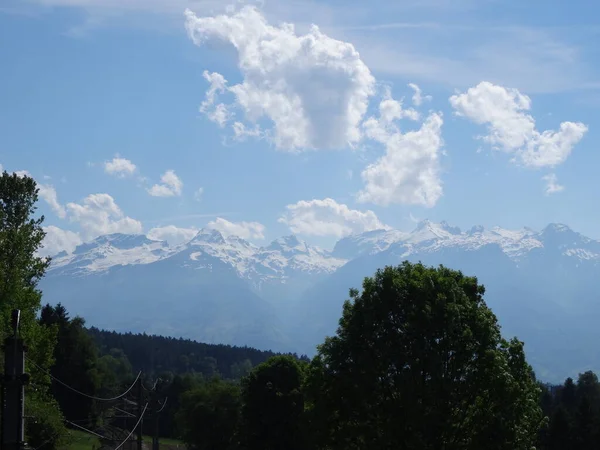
21, 268
418, 361
272, 412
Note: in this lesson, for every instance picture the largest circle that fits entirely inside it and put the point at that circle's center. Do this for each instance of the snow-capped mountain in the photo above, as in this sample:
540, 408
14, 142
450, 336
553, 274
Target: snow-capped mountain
108, 251
281, 258
431, 237
287, 295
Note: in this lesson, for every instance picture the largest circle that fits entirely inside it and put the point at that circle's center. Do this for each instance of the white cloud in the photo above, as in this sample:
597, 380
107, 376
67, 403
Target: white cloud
328, 218
512, 130
418, 97
99, 214
171, 234
219, 113
313, 88
120, 167
552, 186
58, 240
48, 194
199, 194
409, 172
241, 132
245, 230
22, 173
171, 185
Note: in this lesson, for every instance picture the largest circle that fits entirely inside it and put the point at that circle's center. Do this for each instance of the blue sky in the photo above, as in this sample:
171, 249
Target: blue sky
108, 105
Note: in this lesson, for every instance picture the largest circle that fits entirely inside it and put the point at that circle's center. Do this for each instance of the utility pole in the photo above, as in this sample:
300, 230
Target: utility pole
13, 389
140, 399
156, 430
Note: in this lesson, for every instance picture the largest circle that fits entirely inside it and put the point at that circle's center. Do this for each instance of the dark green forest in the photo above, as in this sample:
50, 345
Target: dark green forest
418, 362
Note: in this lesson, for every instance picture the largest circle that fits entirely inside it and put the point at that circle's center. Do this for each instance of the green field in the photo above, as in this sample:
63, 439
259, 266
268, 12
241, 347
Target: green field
84, 441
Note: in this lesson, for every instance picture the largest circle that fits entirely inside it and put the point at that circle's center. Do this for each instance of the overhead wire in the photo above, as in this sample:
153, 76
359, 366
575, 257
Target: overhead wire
86, 430
134, 428
93, 397
163, 405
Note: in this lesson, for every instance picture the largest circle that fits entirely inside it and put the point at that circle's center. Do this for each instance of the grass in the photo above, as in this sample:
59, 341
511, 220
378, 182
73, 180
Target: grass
82, 441
166, 441
85, 441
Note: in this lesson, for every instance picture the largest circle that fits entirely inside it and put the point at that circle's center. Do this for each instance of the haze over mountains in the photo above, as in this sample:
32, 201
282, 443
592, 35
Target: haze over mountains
288, 295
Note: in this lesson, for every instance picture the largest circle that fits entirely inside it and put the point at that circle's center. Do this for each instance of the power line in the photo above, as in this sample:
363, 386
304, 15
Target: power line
134, 428
163, 405
83, 393
86, 430
47, 442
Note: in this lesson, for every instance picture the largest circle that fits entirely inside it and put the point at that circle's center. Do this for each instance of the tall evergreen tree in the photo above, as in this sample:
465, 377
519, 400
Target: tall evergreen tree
76, 358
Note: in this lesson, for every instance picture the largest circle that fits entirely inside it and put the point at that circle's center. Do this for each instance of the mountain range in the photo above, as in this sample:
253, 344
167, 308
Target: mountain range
288, 295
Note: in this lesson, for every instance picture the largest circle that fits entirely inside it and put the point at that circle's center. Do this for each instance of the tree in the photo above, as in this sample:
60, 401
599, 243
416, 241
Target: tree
560, 431
209, 415
21, 268
418, 362
587, 415
76, 363
273, 406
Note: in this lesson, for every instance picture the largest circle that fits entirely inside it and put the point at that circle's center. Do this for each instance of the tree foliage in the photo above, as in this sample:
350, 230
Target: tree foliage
76, 363
21, 268
272, 412
418, 362
209, 415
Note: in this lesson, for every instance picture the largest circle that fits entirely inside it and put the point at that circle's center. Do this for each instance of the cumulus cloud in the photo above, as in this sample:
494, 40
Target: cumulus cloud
552, 186
171, 234
170, 185
22, 173
48, 194
219, 113
98, 214
512, 130
409, 171
313, 89
328, 218
119, 167
245, 230
418, 97
58, 240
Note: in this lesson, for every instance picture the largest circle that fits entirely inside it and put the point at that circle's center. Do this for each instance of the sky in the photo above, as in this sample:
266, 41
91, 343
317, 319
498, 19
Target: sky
320, 119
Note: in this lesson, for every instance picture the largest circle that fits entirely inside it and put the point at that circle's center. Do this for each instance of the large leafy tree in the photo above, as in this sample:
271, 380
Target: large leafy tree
273, 406
209, 414
21, 268
418, 362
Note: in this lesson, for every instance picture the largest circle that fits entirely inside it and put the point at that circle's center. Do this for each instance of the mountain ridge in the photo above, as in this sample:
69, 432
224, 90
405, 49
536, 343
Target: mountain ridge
287, 295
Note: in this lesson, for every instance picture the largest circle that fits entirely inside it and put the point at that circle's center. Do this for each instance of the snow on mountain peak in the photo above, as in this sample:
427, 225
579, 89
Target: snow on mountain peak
556, 228
476, 229
288, 244
427, 230
209, 236
290, 255
110, 250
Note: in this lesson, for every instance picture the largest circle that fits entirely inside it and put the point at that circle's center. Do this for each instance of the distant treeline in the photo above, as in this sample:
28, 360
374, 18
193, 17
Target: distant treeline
158, 354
